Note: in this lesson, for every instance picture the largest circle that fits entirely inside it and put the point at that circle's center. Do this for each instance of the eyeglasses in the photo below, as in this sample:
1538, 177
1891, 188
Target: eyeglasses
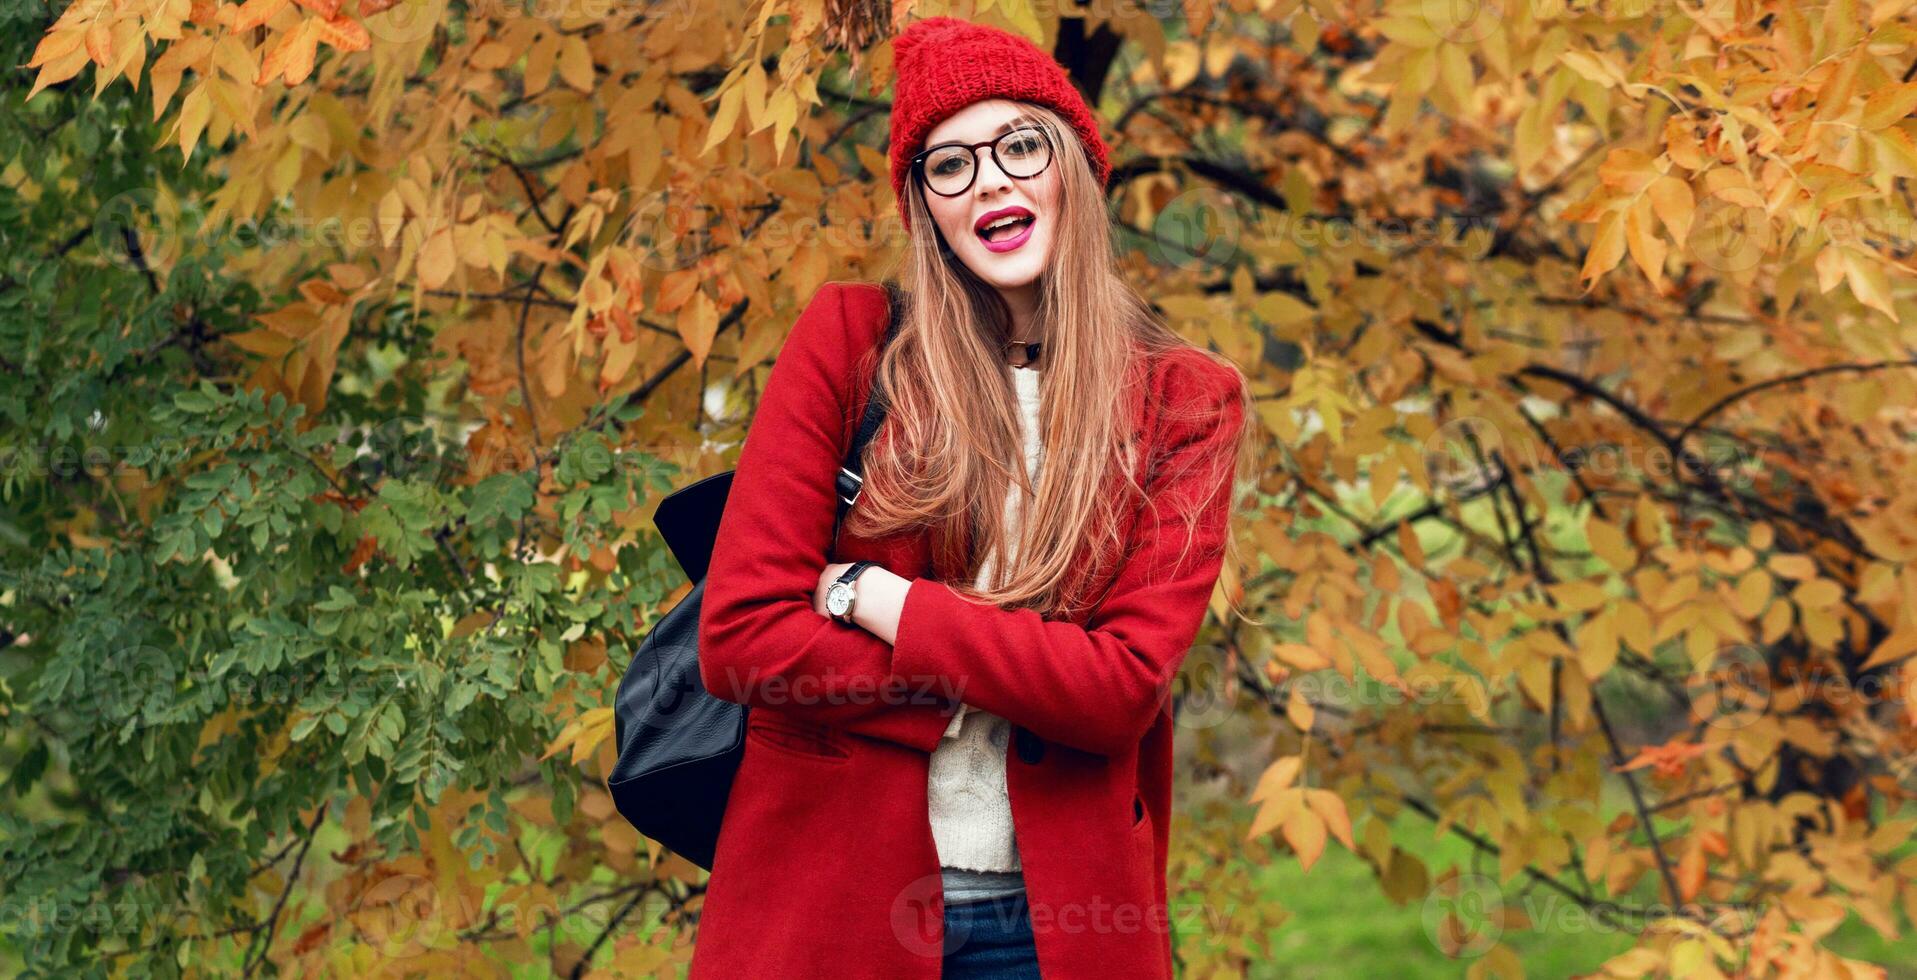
949, 169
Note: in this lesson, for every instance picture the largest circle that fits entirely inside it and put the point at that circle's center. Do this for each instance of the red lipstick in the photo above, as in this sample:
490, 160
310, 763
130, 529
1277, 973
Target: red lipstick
1016, 238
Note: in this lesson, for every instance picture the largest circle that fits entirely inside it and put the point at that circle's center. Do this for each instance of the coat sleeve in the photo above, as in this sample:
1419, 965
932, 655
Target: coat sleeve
761, 644
1100, 685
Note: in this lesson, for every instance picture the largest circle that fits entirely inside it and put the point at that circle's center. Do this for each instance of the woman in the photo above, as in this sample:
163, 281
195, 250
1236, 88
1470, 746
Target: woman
952, 781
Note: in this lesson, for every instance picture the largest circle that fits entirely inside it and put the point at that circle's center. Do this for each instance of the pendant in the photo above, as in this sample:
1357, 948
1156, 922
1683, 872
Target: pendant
1031, 351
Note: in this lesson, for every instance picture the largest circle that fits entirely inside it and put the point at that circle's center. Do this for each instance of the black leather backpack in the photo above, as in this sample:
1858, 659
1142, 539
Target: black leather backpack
680, 746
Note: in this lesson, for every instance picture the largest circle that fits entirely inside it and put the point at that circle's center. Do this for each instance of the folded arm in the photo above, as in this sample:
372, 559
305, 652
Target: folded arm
761, 643
1098, 686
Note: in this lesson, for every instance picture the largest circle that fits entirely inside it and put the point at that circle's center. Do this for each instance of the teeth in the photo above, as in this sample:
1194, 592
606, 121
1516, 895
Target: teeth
1002, 222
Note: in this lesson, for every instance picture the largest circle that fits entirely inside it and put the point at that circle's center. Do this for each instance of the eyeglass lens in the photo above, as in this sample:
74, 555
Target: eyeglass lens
1020, 153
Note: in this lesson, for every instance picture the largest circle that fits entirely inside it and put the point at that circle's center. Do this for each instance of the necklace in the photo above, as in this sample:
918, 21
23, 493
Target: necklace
1031, 350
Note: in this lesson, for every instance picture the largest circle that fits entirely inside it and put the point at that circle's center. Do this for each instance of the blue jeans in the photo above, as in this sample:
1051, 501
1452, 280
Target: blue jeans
990, 939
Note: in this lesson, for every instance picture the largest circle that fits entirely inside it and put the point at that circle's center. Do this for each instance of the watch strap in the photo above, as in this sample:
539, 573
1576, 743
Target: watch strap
849, 576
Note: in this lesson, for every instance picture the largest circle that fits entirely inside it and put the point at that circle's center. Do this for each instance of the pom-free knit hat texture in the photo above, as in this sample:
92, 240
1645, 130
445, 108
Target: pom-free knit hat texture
943, 64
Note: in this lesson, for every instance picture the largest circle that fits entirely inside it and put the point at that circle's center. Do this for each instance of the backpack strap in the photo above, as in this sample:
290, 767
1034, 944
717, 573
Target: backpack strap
850, 479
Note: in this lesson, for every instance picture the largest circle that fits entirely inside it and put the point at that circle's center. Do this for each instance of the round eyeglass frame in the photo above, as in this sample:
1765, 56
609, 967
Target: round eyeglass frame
919, 158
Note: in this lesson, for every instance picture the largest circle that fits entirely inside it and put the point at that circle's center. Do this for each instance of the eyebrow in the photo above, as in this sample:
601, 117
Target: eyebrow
1016, 122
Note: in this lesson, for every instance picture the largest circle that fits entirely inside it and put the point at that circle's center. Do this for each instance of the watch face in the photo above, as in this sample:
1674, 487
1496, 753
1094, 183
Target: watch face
838, 599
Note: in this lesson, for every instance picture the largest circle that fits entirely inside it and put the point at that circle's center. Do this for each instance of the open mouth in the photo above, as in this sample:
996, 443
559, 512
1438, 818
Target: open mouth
1007, 229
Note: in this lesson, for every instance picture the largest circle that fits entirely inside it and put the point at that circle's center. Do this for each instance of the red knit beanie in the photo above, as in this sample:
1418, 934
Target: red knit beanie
943, 64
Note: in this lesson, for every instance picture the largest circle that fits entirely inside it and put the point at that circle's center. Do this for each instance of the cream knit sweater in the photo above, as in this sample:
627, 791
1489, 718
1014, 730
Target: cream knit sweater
971, 813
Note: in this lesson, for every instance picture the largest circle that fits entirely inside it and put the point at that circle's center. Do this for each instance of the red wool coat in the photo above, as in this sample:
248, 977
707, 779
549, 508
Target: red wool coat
826, 865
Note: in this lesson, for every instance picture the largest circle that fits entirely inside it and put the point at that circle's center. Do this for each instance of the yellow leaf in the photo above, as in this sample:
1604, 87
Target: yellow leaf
1674, 204
1627, 170
1868, 282
1413, 30
253, 13
1889, 106
575, 63
1607, 247
58, 44
1181, 64
1305, 832
59, 69
698, 323
1753, 591
620, 355
539, 61
1597, 645
1818, 593
1282, 308
1277, 776
1580, 595
755, 89
437, 259
1299, 710
195, 110
1609, 543
1331, 807
1896, 646
1793, 566
1647, 250
783, 109
1593, 66
725, 118
1301, 656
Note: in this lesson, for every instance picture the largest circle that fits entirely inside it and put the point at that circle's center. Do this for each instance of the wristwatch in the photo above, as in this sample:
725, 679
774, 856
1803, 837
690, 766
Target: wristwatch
842, 593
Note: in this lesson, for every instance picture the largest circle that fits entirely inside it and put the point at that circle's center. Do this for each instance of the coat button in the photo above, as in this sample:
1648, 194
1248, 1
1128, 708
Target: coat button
1031, 748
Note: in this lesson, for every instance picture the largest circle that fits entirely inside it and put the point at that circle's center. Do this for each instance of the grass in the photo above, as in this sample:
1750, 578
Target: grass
1342, 927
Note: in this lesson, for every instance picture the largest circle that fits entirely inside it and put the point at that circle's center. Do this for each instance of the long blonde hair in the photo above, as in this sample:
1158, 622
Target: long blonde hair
951, 443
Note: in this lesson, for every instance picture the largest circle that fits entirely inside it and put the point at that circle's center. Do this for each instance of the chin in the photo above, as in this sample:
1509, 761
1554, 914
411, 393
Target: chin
1009, 281
1014, 272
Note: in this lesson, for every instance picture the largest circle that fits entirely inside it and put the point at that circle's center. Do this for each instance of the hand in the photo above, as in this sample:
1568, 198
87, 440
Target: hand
826, 578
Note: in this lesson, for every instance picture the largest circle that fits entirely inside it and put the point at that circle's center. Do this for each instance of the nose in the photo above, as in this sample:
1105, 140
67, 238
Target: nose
991, 180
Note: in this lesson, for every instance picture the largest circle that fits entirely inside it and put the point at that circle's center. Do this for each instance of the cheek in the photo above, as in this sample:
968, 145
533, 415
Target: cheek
1049, 196
950, 217
1049, 192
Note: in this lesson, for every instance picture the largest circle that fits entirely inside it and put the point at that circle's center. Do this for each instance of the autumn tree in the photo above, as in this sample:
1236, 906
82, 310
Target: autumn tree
350, 346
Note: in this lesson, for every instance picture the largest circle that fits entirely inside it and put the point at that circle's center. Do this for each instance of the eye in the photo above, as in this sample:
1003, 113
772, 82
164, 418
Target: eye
945, 164
1024, 143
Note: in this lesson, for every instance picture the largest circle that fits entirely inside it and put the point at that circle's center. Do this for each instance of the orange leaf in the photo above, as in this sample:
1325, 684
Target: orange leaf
343, 33
56, 45
99, 44
1305, 832
292, 58
1331, 807
253, 13
1690, 873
